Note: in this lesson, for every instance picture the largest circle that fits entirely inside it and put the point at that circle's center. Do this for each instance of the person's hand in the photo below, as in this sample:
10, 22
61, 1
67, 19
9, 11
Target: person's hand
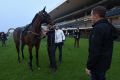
88, 71
46, 30
43, 35
63, 40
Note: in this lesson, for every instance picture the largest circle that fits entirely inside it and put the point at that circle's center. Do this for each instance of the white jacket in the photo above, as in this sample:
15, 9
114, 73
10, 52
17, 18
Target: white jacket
59, 36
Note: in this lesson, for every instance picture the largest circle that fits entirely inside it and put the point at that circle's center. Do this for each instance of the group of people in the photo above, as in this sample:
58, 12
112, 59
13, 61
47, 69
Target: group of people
55, 39
100, 50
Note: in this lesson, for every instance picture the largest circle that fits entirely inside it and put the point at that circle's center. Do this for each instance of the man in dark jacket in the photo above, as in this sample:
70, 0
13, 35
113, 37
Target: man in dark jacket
100, 45
3, 38
77, 37
51, 48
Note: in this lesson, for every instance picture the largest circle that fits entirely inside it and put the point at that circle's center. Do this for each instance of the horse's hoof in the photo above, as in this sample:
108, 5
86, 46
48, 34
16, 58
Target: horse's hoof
22, 61
38, 68
53, 70
31, 69
19, 62
50, 66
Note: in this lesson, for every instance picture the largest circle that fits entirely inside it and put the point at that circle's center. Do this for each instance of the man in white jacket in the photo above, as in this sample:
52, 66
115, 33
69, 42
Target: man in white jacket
59, 41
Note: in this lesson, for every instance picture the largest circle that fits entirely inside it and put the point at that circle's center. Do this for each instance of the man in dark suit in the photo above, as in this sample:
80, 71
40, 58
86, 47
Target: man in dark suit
77, 37
100, 45
51, 48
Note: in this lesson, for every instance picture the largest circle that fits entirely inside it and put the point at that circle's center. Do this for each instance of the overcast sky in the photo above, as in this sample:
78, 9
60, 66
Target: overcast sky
16, 13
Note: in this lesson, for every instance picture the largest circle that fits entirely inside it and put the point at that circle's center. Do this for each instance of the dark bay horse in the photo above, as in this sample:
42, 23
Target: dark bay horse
31, 36
3, 38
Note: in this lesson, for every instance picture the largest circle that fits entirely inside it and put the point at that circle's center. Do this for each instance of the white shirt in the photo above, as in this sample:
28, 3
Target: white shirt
59, 36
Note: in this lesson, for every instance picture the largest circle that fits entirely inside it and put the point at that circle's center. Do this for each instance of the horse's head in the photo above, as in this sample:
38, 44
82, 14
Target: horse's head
45, 17
46, 21
42, 17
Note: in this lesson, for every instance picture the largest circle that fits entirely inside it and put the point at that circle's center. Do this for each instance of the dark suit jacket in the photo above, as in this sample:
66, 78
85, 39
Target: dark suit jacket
100, 46
51, 38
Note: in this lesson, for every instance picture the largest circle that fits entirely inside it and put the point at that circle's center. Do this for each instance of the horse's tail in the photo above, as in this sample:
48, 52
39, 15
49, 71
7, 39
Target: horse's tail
8, 32
16, 37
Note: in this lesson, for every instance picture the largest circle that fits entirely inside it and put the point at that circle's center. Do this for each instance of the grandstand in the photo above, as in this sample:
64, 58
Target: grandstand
115, 11
74, 14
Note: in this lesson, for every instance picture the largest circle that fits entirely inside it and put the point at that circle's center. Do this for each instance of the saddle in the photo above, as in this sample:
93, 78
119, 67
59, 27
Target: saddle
25, 29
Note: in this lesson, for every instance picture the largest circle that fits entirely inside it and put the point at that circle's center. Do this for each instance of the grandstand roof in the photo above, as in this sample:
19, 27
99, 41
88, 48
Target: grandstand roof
72, 9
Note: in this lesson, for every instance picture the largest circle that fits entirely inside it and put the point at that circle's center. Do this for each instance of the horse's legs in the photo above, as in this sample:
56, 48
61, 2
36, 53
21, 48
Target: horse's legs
22, 48
18, 51
4, 43
30, 57
37, 59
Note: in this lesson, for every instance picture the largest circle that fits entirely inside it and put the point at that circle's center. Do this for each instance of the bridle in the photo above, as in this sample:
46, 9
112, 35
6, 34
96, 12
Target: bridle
41, 31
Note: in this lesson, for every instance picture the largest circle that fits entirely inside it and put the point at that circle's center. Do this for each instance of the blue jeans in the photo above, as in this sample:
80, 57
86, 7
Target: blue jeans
97, 75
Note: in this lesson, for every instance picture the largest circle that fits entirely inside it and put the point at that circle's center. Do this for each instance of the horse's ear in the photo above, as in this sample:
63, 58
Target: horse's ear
44, 9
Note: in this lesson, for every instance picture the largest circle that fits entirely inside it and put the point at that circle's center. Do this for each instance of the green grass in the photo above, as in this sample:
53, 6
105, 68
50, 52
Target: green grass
72, 68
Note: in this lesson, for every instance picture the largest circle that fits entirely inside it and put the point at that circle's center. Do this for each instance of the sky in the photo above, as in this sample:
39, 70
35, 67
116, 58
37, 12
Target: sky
17, 13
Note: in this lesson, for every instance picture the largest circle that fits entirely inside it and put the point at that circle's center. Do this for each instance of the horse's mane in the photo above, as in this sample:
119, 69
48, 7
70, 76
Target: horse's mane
34, 18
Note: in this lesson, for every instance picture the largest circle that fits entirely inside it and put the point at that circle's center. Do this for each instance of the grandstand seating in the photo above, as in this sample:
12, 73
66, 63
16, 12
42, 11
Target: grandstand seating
113, 12
81, 23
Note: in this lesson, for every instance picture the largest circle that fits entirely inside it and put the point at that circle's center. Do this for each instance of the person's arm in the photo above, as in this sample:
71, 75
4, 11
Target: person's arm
74, 34
63, 36
114, 33
95, 47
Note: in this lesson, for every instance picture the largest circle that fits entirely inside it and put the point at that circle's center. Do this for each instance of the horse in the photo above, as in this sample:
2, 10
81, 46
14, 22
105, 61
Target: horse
3, 38
0, 36
31, 36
